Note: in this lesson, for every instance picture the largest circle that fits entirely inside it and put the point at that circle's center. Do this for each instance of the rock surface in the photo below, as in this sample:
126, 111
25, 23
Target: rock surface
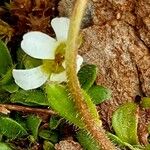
65, 9
123, 62
144, 115
68, 145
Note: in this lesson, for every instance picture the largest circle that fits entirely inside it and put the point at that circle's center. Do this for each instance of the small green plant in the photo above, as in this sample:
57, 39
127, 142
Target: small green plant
57, 89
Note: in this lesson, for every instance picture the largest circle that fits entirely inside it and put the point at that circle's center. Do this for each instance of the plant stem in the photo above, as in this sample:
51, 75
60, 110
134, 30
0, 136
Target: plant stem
92, 126
25, 109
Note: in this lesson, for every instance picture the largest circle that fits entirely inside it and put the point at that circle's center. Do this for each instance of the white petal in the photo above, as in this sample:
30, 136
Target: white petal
79, 62
30, 78
64, 64
59, 77
61, 27
39, 45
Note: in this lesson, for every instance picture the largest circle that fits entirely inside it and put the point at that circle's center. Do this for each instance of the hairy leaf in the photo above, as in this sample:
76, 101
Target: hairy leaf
5, 58
11, 129
59, 100
30, 62
4, 146
86, 141
48, 146
7, 78
147, 147
31, 98
54, 122
122, 144
125, 121
11, 88
33, 123
25, 61
7, 82
145, 102
149, 128
92, 107
99, 94
87, 76
49, 135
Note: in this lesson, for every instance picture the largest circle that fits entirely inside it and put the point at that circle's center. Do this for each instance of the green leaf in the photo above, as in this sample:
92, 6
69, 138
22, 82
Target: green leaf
60, 101
145, 103
116, 140
48, 146
33, 123
1, 137
5, 58
87, 76
11, 88
149, 128
25, 61
49, 135
86, 141
19, 119
4, 96
11, 129
92, 108
125, 121
122, 144
147, 147
7, 78
54, 122
7, 82
99, 94
30, 62
4, 146
31, 98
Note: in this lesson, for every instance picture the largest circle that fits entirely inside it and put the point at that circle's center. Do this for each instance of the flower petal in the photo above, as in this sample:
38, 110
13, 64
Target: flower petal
59, 77
30, 78
79, 62
61, 27
39, 45
64, 64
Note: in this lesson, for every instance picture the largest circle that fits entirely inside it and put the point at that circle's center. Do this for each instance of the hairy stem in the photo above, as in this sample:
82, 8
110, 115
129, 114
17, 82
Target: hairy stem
93, 126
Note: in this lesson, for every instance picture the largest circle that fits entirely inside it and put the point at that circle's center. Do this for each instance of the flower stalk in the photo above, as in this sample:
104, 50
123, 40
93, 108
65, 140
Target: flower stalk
92, 126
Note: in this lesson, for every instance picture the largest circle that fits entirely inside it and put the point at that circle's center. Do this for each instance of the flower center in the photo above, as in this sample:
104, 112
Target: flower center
55, 66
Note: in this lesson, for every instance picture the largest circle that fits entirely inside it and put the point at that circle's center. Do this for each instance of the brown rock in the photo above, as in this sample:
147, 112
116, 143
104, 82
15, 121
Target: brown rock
142, 11
144, 120
108, 48
123, 62
124, 5
65, 9
141, 56
103, 12
68, 145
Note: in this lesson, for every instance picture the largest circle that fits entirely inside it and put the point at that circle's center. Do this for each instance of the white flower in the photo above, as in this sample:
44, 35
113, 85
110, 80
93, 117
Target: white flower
41, 46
